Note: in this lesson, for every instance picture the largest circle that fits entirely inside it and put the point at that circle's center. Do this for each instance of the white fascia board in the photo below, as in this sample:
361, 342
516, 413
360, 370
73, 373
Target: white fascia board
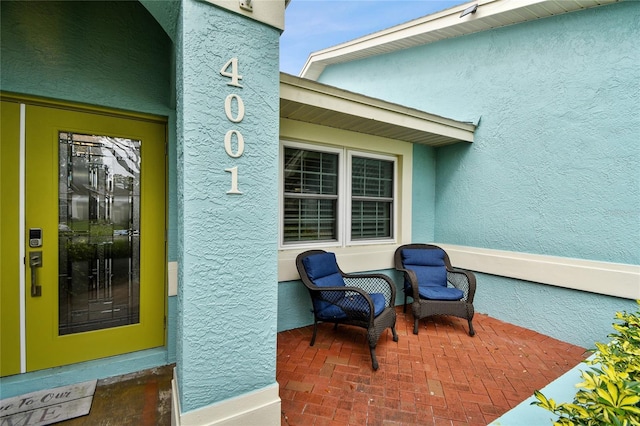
270, 12
496, 10
335, 99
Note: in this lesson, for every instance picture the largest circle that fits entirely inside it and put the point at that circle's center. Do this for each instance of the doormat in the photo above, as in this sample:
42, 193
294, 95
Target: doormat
48, 406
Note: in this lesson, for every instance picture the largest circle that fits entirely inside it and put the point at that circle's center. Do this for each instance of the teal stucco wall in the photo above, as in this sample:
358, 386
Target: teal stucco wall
555, 165
423, 193
227, 243
110, 54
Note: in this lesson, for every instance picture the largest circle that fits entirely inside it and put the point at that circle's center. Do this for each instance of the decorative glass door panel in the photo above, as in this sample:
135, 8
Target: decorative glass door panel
95, 198
99, 232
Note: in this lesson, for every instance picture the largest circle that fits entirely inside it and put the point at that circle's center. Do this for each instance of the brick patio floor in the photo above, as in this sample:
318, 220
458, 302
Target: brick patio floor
441, 376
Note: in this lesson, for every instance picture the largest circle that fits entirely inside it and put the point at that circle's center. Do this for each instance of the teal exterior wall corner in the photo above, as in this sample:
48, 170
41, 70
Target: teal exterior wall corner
227, 298
555, 165
423, 194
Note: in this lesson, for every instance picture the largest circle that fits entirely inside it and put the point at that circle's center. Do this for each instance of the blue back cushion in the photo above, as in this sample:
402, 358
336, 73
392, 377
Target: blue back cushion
423, 257
428, 265
322, 265
322, 270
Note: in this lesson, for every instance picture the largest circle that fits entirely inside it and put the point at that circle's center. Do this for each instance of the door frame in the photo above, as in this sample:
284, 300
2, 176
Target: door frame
22, 102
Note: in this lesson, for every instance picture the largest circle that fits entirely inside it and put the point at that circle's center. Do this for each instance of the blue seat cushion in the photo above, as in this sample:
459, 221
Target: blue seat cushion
440, 293
326, 311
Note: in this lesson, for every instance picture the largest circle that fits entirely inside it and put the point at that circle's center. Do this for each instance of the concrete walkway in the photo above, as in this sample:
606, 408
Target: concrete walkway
138, 399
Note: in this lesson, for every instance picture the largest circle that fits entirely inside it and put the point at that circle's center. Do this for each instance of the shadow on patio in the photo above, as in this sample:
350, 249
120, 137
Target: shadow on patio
440, 377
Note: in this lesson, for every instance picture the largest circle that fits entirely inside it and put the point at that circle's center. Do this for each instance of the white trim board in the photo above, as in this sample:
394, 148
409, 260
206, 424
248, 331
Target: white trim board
260, 407
612, 279
23, 230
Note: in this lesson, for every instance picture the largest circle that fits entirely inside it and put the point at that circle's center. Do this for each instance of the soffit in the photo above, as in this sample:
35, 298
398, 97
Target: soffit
312, 102
442, 25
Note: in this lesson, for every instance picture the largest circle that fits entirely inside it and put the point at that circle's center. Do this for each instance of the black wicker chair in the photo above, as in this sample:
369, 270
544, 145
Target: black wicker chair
362, 300
435, 287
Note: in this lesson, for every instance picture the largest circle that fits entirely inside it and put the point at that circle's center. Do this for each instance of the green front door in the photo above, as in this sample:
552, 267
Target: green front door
93, 227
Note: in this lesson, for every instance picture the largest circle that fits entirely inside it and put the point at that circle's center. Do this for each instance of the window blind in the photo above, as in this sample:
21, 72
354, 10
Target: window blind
310, 195
371, 198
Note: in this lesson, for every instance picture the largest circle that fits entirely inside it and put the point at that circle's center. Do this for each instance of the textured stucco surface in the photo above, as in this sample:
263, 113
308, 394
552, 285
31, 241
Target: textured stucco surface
227, 299
555, 166
577, 317
423, 193
111, 54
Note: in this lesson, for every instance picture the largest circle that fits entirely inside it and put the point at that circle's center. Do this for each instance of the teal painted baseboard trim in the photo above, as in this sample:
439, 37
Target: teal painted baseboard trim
67, 375
563, 389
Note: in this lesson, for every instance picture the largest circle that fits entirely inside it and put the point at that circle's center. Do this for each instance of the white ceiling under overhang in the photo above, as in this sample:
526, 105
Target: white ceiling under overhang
312, 102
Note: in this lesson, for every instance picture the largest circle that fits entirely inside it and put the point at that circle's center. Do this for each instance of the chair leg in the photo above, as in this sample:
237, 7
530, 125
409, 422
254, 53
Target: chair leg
395, 335
472, 332
404, 309
315, 330
415, 325
374, 360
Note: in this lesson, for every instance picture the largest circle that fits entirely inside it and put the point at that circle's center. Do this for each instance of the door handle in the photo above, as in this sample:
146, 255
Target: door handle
35, 262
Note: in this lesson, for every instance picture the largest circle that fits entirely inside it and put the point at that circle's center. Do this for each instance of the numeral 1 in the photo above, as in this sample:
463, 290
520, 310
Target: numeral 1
234, 180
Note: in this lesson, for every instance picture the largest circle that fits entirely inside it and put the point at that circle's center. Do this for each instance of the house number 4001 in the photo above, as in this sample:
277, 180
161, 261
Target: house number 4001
234, 115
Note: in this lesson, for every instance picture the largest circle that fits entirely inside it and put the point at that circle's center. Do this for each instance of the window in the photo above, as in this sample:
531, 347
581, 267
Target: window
371, 198
317, 200
310, 195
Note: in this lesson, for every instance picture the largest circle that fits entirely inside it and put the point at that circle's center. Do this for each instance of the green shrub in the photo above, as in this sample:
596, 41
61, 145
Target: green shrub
610, 392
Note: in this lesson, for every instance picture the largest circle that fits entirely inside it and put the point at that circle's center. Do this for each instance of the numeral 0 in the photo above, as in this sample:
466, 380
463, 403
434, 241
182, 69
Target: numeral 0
227, 108
227, 144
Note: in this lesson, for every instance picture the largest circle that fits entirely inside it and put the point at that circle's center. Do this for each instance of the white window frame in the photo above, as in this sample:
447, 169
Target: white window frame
343, 219
394, 213
340, 201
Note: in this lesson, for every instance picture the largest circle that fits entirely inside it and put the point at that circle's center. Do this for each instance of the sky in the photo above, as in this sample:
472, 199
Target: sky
312, 25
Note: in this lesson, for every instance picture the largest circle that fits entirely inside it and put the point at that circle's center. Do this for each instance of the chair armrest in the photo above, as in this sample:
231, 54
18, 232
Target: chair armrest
373, 283
413, 280
463, 280
355, 302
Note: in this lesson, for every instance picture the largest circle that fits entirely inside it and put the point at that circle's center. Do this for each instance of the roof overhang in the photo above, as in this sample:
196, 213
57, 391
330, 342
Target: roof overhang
312, 102
442, 25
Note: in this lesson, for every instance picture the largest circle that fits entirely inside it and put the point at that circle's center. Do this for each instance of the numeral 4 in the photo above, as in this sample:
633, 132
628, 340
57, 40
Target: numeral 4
230, 69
